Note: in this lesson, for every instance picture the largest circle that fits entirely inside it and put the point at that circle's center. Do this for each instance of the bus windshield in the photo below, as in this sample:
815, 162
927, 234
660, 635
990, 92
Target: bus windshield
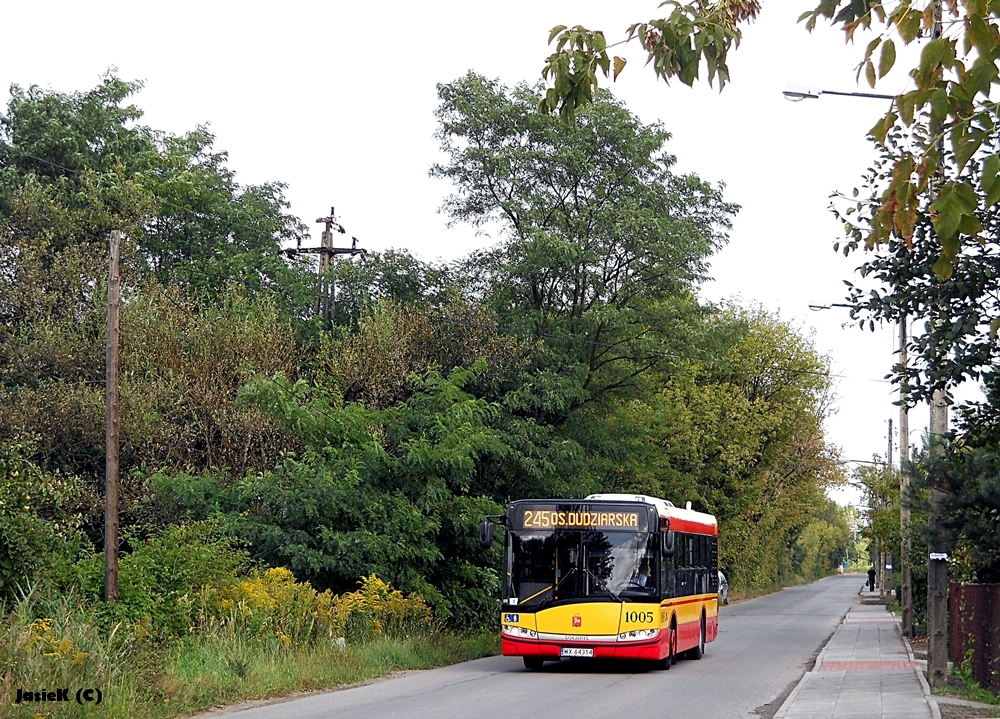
553, 566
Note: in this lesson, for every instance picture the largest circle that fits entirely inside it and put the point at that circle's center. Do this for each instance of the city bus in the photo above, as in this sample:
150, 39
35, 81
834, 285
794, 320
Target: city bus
614, 576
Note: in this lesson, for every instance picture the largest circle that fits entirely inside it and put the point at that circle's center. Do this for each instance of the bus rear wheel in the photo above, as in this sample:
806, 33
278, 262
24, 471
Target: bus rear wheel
533, 662
699, 651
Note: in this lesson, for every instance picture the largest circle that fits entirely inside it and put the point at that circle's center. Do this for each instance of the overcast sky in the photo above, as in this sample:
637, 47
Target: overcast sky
336, 100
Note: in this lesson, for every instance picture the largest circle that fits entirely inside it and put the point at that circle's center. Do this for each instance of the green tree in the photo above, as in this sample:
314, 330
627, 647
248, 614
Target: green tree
74, 166
741, 434
603, 244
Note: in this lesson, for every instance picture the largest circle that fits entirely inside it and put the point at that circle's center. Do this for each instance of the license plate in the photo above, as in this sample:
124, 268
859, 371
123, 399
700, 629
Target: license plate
576, 652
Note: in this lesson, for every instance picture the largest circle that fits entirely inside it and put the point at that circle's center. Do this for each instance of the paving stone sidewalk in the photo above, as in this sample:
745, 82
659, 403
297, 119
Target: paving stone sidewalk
864, 672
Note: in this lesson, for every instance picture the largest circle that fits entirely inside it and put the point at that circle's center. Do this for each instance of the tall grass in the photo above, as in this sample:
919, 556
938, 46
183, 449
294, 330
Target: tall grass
61, 643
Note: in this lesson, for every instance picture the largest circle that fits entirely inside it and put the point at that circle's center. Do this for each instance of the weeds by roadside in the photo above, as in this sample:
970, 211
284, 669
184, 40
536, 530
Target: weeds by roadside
249, 653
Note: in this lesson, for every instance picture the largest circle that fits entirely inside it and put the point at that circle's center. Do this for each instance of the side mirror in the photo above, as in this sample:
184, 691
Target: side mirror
668, 543
486, 534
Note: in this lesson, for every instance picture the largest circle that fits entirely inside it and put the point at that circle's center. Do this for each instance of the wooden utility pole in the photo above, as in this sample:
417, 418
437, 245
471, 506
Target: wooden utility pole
937, 544
906, 576
323, 308
111, 428
326, 290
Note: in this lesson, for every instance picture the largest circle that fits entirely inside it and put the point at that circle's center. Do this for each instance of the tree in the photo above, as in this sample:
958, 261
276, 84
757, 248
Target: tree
740, 433
75, 166
957, 319
603, 244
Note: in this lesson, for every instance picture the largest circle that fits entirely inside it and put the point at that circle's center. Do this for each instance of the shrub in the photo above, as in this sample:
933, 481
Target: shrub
160, 580
39, 533
273, 603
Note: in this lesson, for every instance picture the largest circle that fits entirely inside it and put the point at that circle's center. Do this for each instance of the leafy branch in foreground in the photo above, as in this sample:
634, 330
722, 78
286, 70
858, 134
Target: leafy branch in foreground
949, 103
676, 46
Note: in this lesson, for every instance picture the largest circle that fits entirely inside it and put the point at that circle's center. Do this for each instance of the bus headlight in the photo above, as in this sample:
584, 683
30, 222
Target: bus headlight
638, 635
511, 630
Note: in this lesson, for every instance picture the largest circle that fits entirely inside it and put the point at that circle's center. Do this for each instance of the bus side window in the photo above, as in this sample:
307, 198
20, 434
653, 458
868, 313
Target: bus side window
668, 576
704, 563
713, 563
684, 579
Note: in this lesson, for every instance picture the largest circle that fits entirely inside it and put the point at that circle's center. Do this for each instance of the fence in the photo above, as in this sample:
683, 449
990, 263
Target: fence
974, 623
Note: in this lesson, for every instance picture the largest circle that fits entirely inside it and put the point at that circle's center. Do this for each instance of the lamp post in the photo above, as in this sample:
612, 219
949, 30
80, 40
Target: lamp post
797, 93
906, 577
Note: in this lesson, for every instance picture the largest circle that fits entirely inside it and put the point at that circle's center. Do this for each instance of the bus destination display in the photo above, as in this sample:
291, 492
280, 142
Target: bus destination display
582, 516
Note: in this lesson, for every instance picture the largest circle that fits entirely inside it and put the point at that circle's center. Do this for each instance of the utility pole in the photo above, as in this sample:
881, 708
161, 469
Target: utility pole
323, 285
937, 544
906, 577
326, 290
111, 426
886, 557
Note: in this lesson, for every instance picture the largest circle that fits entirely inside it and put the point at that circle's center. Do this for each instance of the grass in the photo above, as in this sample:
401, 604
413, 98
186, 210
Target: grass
962, 684
142, 679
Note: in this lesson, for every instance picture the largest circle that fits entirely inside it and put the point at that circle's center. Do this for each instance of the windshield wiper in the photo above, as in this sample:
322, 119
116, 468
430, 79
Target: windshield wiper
603, 587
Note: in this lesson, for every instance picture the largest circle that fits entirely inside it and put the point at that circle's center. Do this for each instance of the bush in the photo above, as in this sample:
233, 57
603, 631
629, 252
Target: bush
273, 603
39, 535
160, 581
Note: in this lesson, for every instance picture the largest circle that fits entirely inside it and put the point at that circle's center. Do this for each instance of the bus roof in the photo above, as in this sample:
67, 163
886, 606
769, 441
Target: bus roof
679, 520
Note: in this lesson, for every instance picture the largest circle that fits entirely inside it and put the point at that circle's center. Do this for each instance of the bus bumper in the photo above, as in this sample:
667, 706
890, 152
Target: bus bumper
651, 650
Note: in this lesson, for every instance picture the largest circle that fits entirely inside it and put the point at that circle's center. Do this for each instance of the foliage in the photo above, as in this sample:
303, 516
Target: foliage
880, 491
948, 100
603, 243
391, 342
75, 166
39, 530
696, 32
822, 543
159, 578
967, 473
59, 642
740, 434
957, 344
273, 603
269, 462
958, 316
391, 492
180, 372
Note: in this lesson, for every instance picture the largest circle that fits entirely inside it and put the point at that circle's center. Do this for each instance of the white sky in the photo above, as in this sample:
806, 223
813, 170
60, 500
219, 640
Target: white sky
336, 100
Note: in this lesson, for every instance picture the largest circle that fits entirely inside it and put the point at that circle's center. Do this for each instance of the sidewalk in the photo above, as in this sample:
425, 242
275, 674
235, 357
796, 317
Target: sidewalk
863, 672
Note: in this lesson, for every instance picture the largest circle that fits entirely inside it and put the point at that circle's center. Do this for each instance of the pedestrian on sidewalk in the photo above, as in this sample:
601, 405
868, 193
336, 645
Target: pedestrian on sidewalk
871, 578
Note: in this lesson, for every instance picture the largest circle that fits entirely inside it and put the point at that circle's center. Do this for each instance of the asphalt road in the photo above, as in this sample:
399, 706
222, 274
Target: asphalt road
764, 646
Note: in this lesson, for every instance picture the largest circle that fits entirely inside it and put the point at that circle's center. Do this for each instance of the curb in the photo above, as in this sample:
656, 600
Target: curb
790, 699
928, 697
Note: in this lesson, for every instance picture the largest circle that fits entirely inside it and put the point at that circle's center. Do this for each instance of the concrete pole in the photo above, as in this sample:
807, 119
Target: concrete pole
906, 577
937, 544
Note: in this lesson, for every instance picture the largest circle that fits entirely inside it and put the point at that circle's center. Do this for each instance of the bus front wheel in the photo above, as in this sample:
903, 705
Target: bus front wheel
671, 657
533, 662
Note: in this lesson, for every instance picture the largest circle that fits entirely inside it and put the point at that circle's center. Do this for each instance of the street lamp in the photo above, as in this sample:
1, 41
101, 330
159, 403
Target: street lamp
906, 600
798, 93
817, 308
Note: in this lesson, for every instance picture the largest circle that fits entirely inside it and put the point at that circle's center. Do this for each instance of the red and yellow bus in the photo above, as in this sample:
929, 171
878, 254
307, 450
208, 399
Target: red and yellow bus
613, 575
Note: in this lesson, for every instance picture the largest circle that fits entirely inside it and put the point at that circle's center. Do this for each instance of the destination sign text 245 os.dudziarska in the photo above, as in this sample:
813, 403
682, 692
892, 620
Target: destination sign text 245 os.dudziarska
581, 517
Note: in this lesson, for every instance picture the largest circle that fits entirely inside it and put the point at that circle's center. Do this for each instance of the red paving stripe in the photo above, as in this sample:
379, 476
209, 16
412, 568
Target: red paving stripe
865, 666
